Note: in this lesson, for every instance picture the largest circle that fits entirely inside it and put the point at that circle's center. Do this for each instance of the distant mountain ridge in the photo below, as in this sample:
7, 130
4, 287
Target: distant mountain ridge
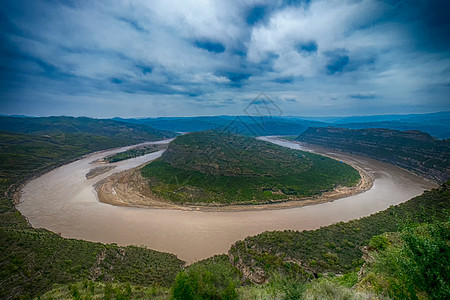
436, 124
246, 125
387, 118
70, 125
413, 150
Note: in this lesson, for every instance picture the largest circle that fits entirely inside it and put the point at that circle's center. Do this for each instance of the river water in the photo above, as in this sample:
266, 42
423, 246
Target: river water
64, 201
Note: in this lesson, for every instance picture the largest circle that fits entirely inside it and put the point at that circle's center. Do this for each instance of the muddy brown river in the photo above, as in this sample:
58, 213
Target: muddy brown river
64, 201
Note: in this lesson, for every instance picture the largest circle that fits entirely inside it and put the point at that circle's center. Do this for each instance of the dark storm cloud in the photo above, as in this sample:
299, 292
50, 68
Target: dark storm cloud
309, 46
116, 80
72, 57
236, 78
337, 61
427, 21
285, 79
210, 46
363, 96
255, 14
145, 69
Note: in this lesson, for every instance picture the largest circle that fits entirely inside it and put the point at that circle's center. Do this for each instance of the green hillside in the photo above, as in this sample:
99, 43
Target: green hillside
220, 167
33, 260
413, 150
82, 125
335, 248
23, 153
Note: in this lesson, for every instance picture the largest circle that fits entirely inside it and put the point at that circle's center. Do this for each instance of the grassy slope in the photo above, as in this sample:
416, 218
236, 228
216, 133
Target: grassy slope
413, 150
334, 248
219, 167
32, 260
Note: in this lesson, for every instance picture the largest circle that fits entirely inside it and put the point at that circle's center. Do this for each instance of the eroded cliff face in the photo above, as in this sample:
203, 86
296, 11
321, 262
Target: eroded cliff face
413, 150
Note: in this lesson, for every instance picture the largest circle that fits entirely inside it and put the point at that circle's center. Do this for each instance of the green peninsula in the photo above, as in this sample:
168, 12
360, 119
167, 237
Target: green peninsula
214, 167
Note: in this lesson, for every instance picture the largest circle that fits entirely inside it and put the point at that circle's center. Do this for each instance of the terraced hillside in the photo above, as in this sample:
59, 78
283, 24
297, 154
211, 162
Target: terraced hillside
413, 150
219, 167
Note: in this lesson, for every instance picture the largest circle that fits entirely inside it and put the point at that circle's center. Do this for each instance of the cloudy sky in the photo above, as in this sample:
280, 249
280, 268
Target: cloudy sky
193, 57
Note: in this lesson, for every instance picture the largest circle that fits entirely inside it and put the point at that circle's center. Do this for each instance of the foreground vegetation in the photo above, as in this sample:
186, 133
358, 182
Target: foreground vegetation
334, 249
411, 264
219, 167
413, 150
88, 289
33, 260
212, 278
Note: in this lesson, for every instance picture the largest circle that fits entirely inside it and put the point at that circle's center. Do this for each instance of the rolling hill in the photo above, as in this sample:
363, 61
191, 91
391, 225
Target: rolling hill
219, 167
413, 150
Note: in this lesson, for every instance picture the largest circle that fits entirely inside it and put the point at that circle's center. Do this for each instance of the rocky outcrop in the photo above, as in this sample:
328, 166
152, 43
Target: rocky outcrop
249, 269
247, 259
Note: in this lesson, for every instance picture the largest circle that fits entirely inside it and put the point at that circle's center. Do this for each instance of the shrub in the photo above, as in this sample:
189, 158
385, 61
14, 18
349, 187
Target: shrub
327, 290
213, 278
419, 265
182, 288
379, 242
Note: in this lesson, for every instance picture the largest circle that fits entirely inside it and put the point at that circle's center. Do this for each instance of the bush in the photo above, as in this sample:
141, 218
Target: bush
182, 288
419, 265
327, 290
379, 242
213, 278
